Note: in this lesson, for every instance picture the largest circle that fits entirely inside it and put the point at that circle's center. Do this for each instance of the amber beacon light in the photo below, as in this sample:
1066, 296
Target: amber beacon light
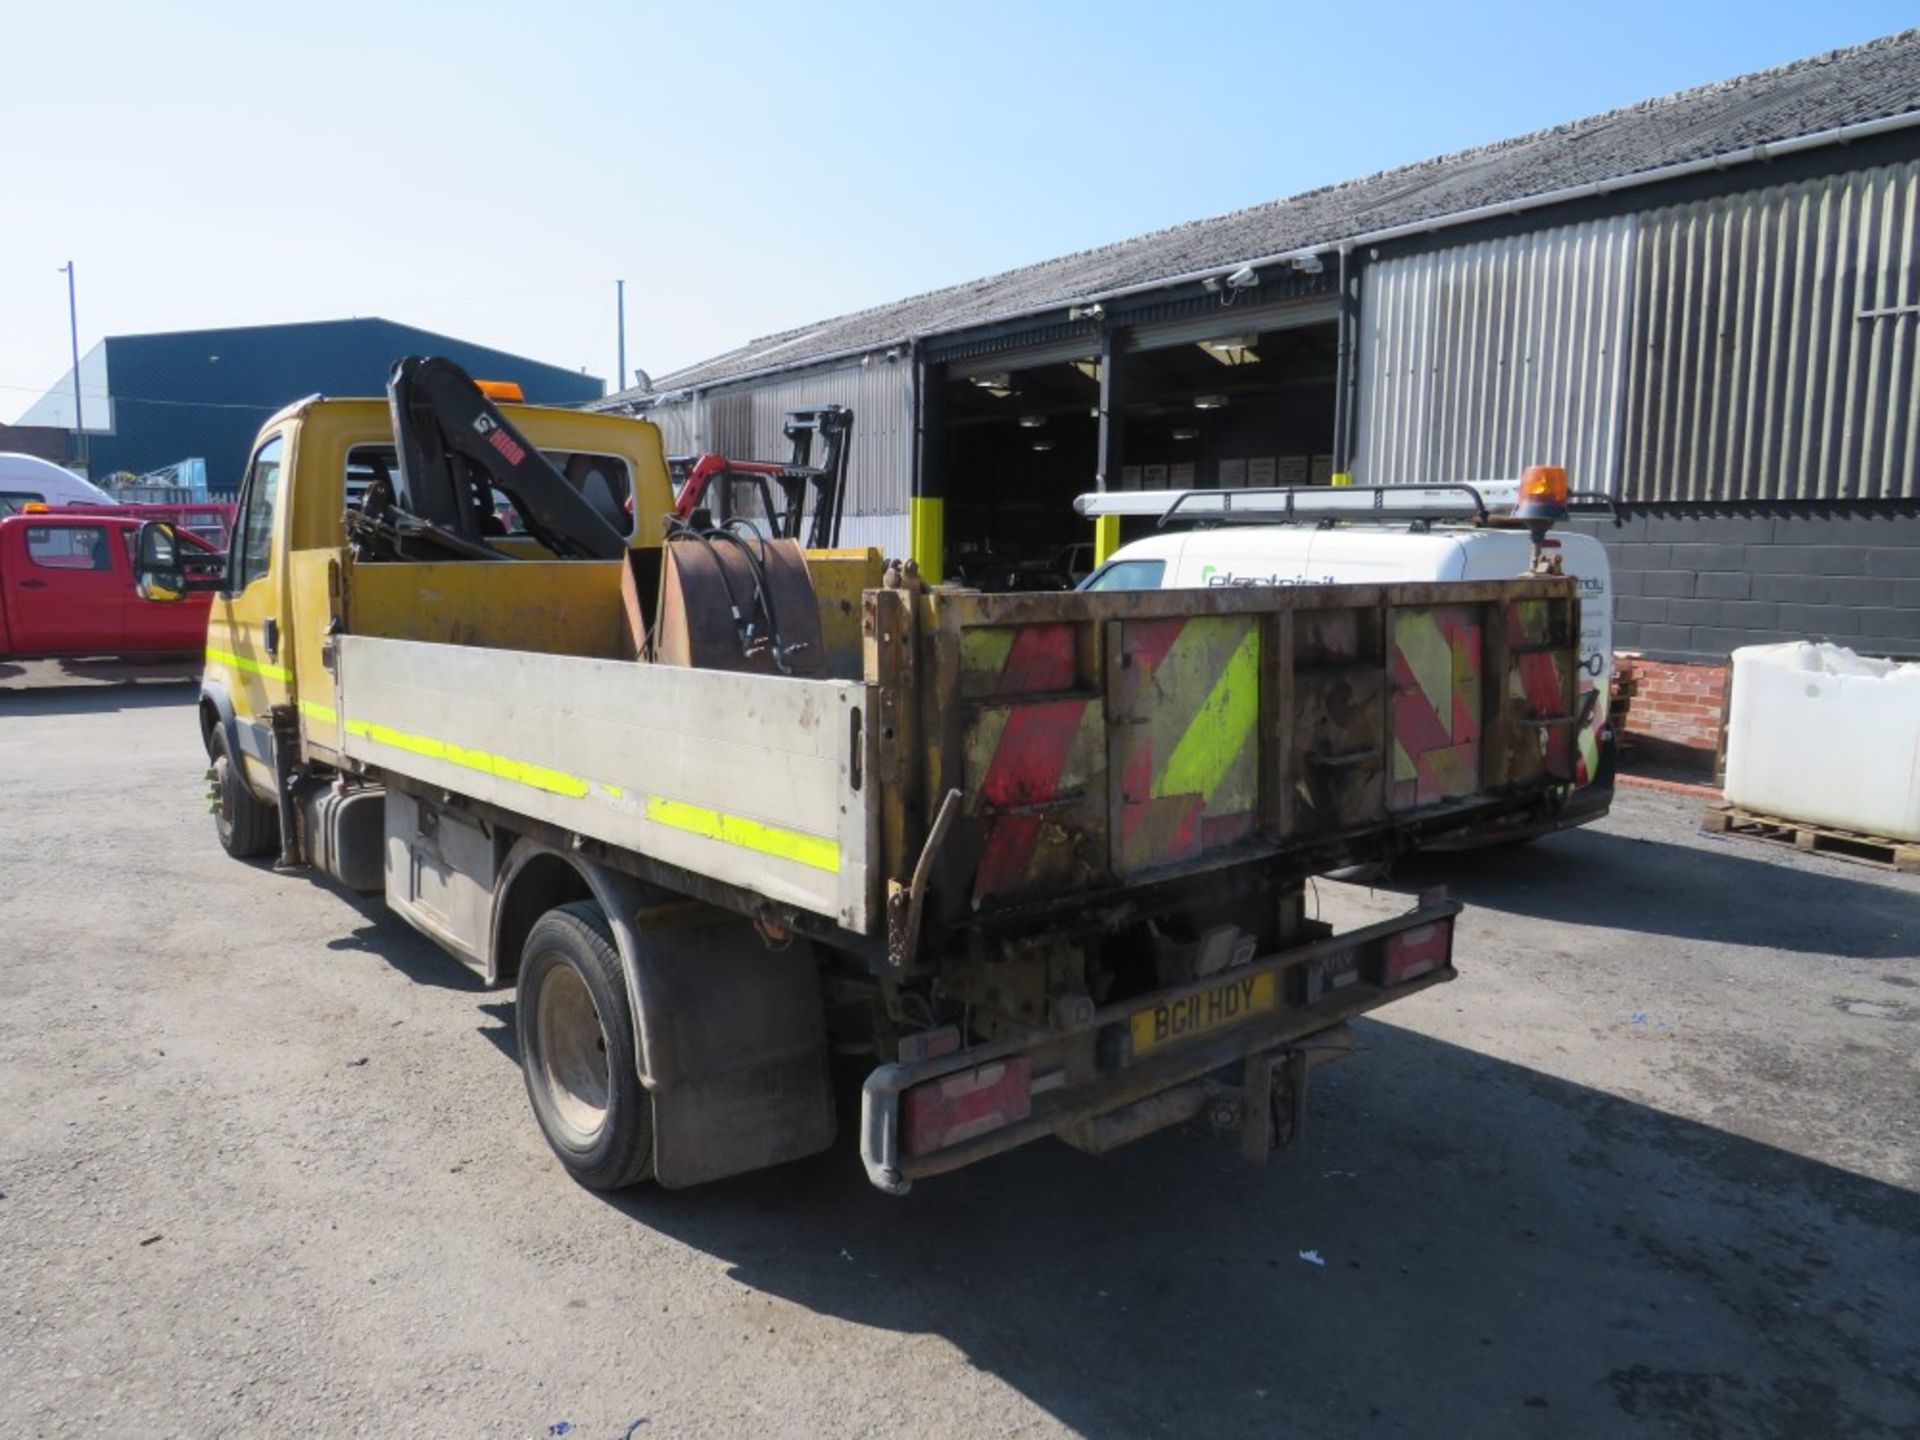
1543, 493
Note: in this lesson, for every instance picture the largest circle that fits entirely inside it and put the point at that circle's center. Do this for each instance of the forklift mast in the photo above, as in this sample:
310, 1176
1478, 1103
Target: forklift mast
710, 481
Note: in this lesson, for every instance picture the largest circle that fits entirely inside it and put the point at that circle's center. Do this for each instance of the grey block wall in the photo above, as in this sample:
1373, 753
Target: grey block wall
1698, 583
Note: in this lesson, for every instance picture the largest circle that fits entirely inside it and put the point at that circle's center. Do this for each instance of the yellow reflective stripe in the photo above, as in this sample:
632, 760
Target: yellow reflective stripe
252, 667
522, 772
1213, 741
814, 851
313, 710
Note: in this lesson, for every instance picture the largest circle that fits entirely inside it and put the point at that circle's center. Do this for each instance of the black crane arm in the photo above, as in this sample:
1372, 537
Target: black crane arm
456, 448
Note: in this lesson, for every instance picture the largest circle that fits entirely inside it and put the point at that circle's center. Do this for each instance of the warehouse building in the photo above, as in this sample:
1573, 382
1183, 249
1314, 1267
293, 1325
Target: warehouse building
1705, 305
158, 403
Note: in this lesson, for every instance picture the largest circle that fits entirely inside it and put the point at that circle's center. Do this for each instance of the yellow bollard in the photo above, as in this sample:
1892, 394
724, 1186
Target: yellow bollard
927, 527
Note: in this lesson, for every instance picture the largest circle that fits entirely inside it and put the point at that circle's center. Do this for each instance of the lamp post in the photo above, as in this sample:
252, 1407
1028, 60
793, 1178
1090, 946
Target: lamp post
620, 313
73, 336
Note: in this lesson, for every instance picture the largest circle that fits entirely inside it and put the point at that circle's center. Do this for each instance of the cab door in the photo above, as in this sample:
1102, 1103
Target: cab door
65, 594
248, 653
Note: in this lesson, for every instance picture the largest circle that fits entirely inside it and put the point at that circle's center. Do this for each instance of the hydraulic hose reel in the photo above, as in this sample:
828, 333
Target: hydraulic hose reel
731, 599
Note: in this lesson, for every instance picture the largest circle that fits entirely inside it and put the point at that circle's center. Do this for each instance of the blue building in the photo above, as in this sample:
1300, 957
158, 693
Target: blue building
152, 401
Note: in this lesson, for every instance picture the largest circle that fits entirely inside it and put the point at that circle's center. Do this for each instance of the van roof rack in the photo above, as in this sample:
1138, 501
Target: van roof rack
1481, 502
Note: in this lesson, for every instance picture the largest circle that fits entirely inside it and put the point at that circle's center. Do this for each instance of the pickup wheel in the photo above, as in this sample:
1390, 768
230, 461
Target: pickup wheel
247, 827
576, 1050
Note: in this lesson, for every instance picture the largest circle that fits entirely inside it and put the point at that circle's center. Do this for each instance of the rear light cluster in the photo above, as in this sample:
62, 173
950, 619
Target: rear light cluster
954, 1108
1416, 952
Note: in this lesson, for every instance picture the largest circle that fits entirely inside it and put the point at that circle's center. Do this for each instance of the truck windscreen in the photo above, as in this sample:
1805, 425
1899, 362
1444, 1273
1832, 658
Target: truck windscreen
604, 480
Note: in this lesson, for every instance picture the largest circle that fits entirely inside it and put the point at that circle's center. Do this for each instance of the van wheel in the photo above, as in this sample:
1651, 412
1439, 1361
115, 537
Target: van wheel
576, 1050
247, 827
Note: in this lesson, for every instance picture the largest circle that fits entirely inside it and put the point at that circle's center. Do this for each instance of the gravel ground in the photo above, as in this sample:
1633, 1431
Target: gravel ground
266, 1167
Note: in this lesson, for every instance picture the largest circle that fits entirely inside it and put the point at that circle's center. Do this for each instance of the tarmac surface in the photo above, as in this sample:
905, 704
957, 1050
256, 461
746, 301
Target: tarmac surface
267, 1167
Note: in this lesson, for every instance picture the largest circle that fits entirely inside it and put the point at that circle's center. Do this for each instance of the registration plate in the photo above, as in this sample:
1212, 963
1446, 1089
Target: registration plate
1227, 1003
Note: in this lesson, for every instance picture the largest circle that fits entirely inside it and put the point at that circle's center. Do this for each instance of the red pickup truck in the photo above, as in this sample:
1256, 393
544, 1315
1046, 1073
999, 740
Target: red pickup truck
67, 591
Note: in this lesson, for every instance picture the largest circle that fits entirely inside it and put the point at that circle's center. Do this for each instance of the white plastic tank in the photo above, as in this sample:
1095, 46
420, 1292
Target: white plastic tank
1819, 734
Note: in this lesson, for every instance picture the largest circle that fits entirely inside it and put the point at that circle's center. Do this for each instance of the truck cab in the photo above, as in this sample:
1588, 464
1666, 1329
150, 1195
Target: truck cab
281, 596
67, 590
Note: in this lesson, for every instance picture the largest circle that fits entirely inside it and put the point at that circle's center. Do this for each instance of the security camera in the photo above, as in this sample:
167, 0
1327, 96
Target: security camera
1245, 278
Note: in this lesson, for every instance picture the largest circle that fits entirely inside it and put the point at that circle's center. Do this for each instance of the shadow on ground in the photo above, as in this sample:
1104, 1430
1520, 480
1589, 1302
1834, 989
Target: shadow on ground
1701, 891
1460, 1246
123, 690
384, 935
1498, 1253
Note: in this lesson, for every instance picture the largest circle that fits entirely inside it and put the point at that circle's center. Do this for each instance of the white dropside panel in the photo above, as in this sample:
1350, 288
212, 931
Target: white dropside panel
748, 779
1820, 734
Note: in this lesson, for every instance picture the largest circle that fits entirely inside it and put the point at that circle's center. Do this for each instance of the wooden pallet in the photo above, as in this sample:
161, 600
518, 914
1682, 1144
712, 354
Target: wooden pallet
1901, 855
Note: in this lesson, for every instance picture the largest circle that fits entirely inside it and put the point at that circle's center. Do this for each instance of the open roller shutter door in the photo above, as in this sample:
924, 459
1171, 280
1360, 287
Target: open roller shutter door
1240, 318
1060, 352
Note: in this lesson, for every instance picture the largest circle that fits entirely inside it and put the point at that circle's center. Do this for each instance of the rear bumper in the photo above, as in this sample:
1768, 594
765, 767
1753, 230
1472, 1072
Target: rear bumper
1090, 1087
1579, 806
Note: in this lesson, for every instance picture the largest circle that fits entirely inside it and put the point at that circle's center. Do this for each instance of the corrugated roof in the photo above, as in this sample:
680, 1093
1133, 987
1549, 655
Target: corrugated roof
1846, 87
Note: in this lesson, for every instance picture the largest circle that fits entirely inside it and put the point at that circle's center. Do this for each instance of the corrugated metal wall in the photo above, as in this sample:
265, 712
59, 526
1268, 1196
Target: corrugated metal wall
1478, 360
880, 463
1759, 346
677, 421
1762, 370
890, 534
745, 421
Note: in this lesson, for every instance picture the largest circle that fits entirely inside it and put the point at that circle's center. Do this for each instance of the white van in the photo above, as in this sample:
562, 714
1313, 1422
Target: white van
1356, 536
29, 480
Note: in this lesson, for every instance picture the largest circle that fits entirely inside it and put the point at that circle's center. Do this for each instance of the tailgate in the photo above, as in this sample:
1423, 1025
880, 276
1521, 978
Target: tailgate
1100, 739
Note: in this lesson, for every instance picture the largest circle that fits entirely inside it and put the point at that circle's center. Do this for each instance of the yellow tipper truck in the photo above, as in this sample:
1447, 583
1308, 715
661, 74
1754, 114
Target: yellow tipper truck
721, 806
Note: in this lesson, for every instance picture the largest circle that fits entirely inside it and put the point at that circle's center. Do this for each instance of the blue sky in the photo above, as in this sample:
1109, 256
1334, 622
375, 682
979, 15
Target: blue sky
488, 170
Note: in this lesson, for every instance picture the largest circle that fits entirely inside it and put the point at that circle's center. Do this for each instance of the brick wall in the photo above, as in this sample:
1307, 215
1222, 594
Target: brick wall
1697, 583
44, 441
1673, 708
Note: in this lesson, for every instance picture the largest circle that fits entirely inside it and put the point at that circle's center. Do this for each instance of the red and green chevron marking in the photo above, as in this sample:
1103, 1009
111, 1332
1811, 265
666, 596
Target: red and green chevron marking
1189, 766
1436, 704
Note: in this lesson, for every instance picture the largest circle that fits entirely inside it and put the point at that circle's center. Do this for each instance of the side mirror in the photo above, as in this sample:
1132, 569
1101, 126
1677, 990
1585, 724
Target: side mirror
158, 574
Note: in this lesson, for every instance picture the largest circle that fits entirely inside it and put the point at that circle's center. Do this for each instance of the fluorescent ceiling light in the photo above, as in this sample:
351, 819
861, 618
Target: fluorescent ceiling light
1032, 422
1233, 349
1209, 402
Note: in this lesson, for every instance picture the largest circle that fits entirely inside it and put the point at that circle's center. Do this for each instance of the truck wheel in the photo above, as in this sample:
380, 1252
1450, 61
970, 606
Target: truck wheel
247, 827
576, 1050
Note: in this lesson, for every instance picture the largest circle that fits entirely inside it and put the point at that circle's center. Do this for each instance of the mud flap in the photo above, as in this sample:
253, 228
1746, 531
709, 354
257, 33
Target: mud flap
736, 1051
1273, 1105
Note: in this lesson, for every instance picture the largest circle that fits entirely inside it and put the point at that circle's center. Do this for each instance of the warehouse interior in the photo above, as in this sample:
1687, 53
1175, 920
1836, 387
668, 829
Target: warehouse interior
1246, 406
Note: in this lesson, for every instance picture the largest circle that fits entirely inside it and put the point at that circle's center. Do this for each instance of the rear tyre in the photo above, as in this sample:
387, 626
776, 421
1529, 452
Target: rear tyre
576, 1050
247, 827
